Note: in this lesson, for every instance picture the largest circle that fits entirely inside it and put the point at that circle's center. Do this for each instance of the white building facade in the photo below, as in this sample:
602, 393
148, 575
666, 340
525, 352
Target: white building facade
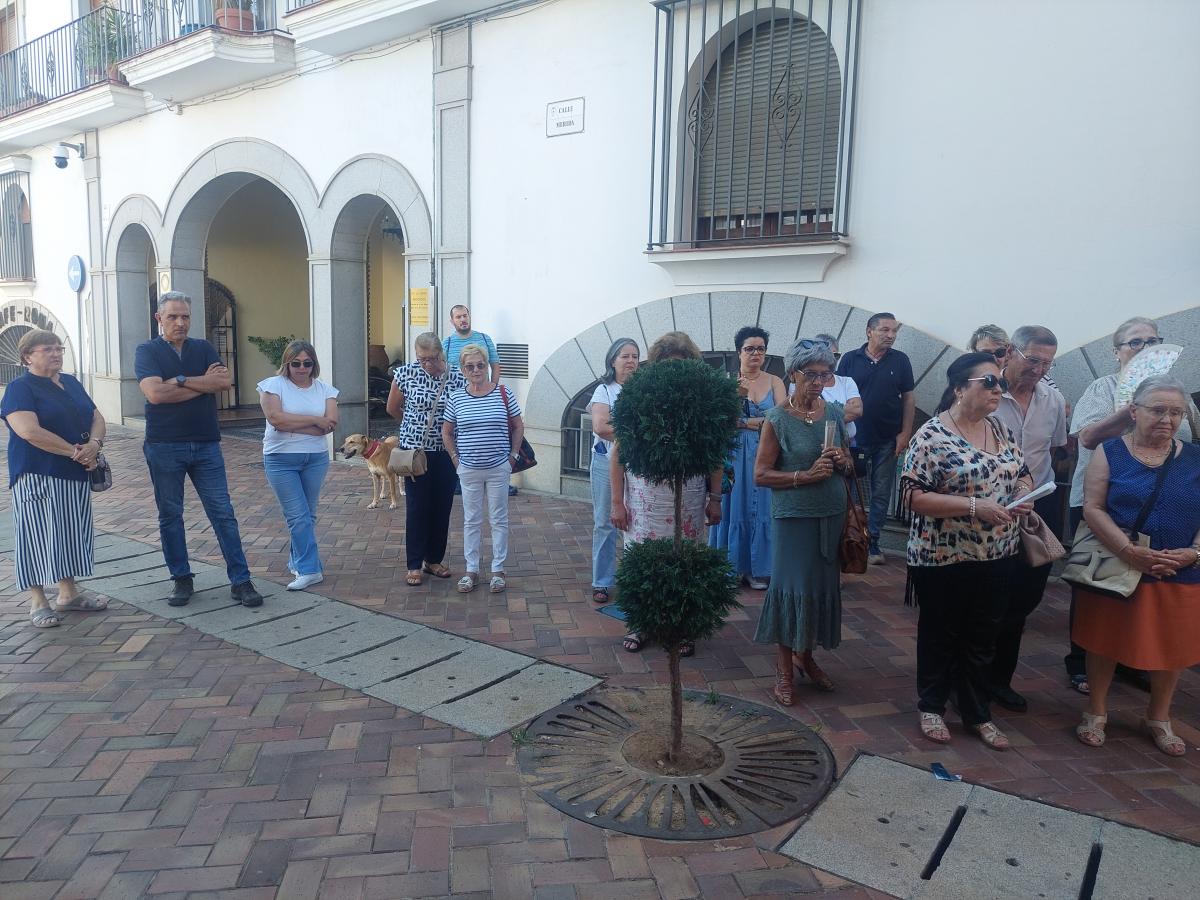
581, 170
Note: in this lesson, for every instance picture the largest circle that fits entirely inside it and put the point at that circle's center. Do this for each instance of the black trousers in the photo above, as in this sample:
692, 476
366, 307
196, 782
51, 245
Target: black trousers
428, 501
1076, 658
961, 609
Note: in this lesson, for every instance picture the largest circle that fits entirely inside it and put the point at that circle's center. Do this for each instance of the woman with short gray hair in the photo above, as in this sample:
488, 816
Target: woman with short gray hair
1096, 419
1157, 628
803, 605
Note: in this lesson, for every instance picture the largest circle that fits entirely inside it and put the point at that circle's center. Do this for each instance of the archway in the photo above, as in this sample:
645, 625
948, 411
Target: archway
137, 295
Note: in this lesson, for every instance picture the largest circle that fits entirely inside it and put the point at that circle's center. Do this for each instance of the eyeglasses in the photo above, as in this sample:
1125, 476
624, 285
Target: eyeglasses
474, 367
301, 364
826, 377
48, 348
808, 344
990, 382
427, 360
1036, 361
753, 350
1164, 412
1139, 343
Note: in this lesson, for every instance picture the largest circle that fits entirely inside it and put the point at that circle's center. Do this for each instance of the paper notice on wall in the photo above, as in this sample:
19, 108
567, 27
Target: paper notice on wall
418, 307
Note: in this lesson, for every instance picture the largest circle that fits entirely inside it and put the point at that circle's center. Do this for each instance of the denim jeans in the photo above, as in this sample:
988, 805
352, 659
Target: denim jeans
476, 484
881, 470
604, 534
296, 480
202, 462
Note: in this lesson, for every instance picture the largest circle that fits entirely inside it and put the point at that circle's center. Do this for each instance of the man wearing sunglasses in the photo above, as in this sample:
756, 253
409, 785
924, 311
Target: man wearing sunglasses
181, 377
885, 380
1097, 419
1036, 414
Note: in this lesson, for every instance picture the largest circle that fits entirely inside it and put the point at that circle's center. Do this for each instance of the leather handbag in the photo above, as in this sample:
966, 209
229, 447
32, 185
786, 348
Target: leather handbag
413, 463
1039, 545
855, 542
525, 456
1093, 567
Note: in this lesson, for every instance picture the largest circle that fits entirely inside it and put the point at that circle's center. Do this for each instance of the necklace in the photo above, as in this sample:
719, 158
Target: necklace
808, 414
755, 378
964, 435
1150, 456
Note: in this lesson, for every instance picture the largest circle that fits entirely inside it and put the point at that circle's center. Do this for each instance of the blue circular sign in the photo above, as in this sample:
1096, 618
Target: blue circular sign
76, 273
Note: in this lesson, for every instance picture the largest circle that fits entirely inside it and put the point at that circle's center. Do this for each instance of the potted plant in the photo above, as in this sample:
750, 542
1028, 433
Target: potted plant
673, 421
105, 38
235, 15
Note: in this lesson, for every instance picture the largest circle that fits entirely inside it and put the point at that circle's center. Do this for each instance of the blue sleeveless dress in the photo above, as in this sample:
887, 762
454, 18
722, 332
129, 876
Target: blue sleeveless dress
745, 528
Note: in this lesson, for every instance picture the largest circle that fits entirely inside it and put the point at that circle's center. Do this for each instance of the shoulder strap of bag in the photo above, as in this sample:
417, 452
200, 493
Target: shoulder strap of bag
1153, 498
1193, 425
433, 410
507, 417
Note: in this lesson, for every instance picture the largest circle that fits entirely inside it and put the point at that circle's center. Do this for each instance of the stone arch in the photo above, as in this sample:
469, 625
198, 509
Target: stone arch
206, 185
711, 319
355, 196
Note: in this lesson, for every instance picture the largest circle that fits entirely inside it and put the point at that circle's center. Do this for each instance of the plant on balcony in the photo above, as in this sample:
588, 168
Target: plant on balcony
106, 37
673, 421
235, 15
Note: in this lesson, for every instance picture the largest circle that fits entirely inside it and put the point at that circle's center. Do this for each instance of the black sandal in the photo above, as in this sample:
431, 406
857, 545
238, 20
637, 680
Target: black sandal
1079, 684
600, 595
632, 642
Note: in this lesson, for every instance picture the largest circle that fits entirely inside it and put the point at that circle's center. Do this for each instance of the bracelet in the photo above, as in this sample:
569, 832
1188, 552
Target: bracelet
714, 498
972, 508
1196, 561
795, 477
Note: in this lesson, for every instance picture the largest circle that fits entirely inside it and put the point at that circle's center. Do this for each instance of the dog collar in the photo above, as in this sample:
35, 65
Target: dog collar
371, 448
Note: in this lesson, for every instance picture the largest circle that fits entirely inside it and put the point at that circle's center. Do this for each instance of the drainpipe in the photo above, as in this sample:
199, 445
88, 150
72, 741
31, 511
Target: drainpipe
98, 283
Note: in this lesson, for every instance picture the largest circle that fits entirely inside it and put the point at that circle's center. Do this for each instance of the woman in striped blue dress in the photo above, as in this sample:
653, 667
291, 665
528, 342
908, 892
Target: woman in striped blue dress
55, 433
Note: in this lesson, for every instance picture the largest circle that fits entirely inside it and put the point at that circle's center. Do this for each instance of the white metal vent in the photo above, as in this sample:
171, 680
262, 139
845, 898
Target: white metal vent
514, 360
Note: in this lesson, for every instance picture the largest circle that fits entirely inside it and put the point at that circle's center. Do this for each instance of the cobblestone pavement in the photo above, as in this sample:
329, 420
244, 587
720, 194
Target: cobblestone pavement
139, 757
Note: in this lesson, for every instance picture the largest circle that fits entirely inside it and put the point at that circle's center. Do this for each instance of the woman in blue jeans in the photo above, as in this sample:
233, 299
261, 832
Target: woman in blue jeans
300, 411
620, 362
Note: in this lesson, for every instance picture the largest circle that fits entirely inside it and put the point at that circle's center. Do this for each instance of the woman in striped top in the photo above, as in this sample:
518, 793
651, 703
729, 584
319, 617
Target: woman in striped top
55, 434
482, 432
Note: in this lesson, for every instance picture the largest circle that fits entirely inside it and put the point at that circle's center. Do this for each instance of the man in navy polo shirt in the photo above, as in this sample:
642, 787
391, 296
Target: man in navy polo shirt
180, 377
885, 379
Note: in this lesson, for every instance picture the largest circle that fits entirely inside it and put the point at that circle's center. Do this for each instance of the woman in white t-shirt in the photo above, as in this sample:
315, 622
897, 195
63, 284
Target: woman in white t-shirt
620, 362
300, 411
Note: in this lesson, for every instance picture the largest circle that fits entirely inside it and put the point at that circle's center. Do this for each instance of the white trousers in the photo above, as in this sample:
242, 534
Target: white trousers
476, 485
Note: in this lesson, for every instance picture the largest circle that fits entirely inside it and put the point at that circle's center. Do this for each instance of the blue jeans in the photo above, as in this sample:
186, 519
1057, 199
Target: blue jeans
881, 472
296, 479
604, 535
201, 461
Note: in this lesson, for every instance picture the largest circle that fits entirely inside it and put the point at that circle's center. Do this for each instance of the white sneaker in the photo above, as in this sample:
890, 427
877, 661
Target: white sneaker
305, 581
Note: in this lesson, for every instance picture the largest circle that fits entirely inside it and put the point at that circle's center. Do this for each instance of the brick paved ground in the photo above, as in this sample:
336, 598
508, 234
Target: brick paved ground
138, 757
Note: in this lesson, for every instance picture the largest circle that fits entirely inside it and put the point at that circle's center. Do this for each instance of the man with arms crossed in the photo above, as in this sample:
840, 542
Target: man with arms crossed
885, 380
180, 377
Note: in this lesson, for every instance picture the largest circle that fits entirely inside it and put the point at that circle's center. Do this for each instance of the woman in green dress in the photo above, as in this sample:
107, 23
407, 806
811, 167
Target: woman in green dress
803, 606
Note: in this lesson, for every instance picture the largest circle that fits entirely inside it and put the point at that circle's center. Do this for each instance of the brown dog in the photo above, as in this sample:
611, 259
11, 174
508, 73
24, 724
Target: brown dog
376, 454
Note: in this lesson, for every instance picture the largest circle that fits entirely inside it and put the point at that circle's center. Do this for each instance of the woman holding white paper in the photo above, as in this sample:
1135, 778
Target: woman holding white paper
962, 470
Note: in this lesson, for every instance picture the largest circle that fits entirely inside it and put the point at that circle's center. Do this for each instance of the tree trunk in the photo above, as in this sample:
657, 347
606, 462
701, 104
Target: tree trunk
678, 487
676, 705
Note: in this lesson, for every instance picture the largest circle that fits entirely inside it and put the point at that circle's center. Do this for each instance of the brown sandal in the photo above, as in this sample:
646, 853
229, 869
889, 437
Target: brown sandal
783, 688
991, 735
413, 578
437, 570
809, 667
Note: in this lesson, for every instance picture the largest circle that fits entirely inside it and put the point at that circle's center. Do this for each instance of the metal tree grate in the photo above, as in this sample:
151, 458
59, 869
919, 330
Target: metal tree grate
772, 768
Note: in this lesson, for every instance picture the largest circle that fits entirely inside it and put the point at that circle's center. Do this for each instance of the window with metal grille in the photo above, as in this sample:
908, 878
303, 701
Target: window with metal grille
16, 229
514, 360
755, 145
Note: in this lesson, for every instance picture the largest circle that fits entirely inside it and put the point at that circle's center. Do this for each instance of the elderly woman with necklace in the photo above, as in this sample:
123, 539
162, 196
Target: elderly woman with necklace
962, 469
745, 529
1157, 628
803, 605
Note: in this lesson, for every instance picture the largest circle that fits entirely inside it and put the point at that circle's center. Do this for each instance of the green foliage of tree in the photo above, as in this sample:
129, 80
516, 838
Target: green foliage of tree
675, 420
272, 348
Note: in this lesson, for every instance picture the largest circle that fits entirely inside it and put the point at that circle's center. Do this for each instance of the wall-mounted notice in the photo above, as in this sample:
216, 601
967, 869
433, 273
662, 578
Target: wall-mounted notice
418, 307
564, 117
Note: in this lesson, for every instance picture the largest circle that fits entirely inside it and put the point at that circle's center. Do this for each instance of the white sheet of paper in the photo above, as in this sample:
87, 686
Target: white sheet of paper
1036, 494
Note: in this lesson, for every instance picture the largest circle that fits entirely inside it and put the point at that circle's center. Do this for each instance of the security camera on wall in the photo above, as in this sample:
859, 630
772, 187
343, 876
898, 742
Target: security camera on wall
62, 153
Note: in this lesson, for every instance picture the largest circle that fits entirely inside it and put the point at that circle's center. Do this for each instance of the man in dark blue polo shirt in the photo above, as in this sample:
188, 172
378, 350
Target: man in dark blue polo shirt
885, 379
180, 377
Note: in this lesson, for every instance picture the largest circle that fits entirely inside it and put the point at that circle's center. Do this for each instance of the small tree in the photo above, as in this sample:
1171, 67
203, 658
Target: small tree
272, 348
673, 421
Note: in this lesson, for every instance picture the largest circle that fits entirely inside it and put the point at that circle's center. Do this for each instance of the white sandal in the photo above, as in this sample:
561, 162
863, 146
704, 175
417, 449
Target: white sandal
497, 584
1165, 739
991, 735
467, 583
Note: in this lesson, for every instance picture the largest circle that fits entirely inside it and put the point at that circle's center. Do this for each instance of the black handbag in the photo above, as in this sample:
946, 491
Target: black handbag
99, 477
525, 456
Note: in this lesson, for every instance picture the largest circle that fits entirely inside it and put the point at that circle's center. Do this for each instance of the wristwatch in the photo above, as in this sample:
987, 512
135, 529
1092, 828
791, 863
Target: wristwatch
181, 380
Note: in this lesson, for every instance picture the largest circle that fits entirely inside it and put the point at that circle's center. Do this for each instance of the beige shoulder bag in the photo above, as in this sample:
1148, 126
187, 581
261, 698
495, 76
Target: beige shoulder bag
412, 463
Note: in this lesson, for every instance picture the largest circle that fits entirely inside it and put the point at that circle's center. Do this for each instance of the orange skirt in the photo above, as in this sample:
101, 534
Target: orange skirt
1156, 629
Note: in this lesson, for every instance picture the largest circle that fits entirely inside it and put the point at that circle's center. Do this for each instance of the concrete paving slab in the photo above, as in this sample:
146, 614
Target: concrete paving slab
896, 814
123, 549
201, 602
477, 666
420, 648
1138, 865
226, 621
1011, 847
343, 643
127, 566
319, 620
146, 592
518, 699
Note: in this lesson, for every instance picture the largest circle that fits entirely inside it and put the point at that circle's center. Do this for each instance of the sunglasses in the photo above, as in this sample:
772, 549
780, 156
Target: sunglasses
999, 352
474, 367
301, 364
1139, 343
990, 382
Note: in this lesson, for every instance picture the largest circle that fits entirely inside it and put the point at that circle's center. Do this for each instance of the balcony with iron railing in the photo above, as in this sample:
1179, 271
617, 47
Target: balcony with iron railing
103, 61
343, 27
750, 162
